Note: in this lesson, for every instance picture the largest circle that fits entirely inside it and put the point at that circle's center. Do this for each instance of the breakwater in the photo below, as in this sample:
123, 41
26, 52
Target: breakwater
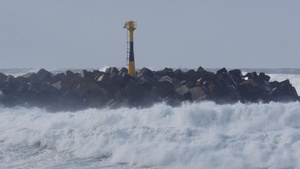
115, 88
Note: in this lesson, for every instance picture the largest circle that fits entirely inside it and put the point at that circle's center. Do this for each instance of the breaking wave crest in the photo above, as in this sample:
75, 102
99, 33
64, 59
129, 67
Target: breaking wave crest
198, 135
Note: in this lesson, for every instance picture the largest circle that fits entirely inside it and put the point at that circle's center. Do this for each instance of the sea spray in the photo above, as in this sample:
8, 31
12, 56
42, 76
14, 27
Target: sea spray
198, 135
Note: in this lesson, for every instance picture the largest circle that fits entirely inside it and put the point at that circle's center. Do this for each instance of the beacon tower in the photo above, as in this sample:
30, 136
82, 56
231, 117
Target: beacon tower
131, 26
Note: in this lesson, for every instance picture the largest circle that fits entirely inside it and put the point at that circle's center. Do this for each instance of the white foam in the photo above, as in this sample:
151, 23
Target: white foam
202, 135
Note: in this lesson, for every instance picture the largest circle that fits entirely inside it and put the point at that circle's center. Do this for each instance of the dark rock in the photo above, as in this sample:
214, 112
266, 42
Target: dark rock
96, 97
57, 85
166, 83
250, 90
236, 75
228, 80
80, 87
282, 91
108, 83
104, 79
177, 71
223, 70
234, 93
3, 77
191, 76
197, 93
97, 73
74, 91
215, 89
44, 76
69, 74
10, 79
184, 91
126, 76
124, 70
158, 92
31, 77
200, 69
69, 80
145, 72
168, 71
253, 76
86, 74
288, 89
112, 70
264, 77
148, 82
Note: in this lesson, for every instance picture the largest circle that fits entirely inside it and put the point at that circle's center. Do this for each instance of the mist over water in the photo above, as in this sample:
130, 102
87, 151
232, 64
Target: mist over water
192, 135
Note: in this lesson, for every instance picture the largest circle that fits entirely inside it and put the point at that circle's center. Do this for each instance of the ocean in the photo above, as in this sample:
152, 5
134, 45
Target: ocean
193, 135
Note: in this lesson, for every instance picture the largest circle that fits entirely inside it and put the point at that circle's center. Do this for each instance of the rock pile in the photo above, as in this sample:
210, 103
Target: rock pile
114, 88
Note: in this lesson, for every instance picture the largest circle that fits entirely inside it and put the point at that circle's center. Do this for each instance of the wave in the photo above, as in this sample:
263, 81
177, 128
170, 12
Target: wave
198, 135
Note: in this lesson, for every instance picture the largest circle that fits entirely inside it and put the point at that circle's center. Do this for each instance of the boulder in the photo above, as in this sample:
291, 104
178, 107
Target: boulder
191, 76
282, 91
120, 95
69, 74
197, 93
87, 74
236, 75
168, 72
125, 76
112, 70
223, 70
3, 77
289, 89
96, 98
158, 93
145, 72
148, 82
105, 81
179, 76
264, 77
250, 90
227, 79
184, 91
124, 70
80, 87
21, 80
69, 80
253, 76
166, 83
57, 85
97, 73
31, 77
234, 93
44, 76
75, 91
10, 79
200, 69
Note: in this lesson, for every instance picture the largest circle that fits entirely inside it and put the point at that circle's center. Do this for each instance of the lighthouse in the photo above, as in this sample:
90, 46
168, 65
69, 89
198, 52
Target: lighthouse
131, 26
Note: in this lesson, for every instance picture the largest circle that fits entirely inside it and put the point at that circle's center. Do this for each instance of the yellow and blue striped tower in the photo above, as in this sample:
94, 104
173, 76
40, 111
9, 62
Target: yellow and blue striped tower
131, 26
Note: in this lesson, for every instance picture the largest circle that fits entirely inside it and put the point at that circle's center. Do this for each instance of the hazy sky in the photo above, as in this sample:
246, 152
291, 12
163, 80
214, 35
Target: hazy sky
170, 33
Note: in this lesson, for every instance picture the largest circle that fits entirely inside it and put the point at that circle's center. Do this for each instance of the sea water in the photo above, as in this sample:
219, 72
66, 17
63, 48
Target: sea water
192, 135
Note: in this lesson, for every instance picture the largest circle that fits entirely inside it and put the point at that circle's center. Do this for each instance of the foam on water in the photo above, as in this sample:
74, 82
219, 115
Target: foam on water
202, 135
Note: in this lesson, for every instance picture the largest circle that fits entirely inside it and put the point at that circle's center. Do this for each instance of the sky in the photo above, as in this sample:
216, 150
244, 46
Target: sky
170, 33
